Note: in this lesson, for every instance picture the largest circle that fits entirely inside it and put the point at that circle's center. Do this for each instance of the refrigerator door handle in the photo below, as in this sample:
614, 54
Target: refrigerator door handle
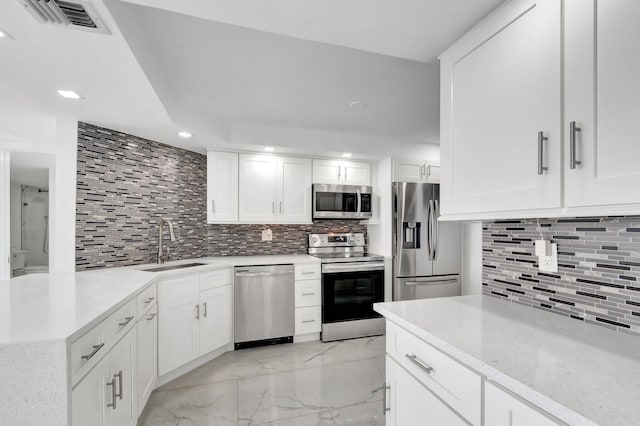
430, 208
436, 230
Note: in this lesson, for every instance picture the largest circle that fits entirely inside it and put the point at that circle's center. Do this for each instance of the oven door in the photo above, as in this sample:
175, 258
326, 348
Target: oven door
341, 202
349, 290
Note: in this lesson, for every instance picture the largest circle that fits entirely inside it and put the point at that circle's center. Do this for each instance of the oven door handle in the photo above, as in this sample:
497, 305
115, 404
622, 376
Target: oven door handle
353, 267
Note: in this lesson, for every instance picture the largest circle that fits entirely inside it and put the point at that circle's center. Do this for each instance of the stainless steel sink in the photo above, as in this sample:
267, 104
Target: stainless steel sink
171, 267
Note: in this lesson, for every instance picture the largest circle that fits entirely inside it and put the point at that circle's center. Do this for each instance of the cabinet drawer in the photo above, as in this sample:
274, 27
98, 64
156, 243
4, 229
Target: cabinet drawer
309, 271
146, 300
455, 384
174, 288
308, 293
119, 323
215, 279
86, 351
308, 320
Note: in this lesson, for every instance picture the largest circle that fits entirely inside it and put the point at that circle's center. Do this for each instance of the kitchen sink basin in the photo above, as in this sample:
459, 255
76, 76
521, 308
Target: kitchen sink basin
172, 267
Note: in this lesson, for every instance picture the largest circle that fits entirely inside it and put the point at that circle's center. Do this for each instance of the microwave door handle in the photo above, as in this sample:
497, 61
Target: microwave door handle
359, 198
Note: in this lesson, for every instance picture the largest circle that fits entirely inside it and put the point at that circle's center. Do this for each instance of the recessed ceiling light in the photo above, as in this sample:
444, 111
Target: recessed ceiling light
357, 105
269, 148
69, 94
185, 135
347, 155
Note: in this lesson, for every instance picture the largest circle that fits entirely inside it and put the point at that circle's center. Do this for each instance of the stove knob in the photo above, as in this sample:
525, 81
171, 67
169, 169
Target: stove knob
315, 239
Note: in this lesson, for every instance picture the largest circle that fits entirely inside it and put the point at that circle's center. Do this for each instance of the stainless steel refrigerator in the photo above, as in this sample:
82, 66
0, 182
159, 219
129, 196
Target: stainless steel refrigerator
427, 253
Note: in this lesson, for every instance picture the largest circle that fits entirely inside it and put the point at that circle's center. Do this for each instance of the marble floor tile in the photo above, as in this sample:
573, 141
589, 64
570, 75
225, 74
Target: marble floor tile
241, 364
369, 413
319, 353
211, 404
323, 418
296, 393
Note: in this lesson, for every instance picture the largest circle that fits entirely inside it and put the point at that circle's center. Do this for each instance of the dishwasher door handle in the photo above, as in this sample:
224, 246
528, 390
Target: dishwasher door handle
262, 274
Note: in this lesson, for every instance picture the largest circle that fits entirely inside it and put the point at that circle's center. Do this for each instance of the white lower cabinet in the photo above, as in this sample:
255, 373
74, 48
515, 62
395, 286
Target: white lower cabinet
107, 395
147, 329
192, 322
216, 317
504, 409
408, 402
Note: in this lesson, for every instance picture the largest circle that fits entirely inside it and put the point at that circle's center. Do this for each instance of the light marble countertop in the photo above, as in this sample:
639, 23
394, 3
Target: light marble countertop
580, 373
60, 306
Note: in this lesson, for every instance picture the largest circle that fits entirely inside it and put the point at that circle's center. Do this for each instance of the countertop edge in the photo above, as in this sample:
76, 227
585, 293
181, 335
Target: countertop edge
523, 391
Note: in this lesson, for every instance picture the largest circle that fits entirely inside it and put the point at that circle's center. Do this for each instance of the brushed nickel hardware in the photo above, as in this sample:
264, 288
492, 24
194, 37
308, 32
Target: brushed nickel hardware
308, 294
414, 359
112, 383
541, 139
306, 321
126, 321
149, 300
197, 312
308, 273
205, 309
273, 207
152, 316
384, 399
213, 206
119, 376
161, 256
572, 144
280, 207
95, 350
339, 172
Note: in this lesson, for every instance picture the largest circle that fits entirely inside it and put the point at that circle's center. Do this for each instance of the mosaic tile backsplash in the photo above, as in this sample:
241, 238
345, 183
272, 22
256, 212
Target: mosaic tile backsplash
598, 278
126, 184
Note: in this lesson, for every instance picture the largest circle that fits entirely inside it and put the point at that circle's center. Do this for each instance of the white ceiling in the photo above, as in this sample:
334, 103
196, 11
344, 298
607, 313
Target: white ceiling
239, 88
418, 30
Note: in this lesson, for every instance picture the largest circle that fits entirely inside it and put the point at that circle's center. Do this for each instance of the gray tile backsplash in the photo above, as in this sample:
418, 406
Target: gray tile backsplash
126, 184
598, 278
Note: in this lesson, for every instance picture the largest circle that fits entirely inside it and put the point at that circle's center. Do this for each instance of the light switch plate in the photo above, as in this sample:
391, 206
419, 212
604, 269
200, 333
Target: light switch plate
549, 263
267, 235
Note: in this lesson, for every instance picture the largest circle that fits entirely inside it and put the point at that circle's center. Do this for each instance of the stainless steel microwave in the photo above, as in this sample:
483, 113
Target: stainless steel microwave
342, 201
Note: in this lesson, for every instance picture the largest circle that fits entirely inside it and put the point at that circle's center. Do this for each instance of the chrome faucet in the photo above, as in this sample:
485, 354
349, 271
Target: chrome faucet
161, 256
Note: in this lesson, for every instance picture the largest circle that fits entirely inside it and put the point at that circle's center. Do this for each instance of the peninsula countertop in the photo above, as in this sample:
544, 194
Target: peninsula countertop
61, 306
580, 373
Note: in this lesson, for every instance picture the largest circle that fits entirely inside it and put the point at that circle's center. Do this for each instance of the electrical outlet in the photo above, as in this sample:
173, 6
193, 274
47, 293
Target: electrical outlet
549, 263
267, 235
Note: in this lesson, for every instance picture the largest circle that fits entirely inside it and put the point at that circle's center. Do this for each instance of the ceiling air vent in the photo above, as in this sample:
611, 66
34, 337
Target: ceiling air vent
80, 14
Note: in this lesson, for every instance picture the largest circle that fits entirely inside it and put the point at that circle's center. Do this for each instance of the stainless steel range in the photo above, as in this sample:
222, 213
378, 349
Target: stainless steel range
352, 281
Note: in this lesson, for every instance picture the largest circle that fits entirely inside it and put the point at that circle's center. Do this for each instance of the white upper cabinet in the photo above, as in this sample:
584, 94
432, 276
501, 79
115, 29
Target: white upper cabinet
416, 170
602, 98
294, 190
275, 189
258, 189
222, 187
501, 141
341, 172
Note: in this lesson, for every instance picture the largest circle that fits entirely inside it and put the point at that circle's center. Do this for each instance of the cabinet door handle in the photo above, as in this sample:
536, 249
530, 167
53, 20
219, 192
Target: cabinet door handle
307, 321
205, 309
280, 207
149, 300
213, 206
308, 273
308, 294
119, 377
112, 383
273, 207
384, 399
197, 312
572, 144
339, 172
95, 350
126, 322
541, 139
151, 317
424, 367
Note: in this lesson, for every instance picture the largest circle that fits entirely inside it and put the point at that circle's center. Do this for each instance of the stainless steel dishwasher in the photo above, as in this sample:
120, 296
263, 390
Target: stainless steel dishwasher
263, 305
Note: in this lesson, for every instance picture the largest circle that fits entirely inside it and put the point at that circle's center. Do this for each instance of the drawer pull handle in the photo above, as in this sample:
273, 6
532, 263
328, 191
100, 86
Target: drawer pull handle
149, 300
119, 376
112, 383
95, 350
414, 359
126, 322
308, 294
306, 321
384, 399
198, 312
152, 316
205, 309
308, 273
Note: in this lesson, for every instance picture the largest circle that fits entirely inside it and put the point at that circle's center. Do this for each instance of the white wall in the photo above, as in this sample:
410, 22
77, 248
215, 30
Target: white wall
62, 198
15, 213
472, 258
5, 243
